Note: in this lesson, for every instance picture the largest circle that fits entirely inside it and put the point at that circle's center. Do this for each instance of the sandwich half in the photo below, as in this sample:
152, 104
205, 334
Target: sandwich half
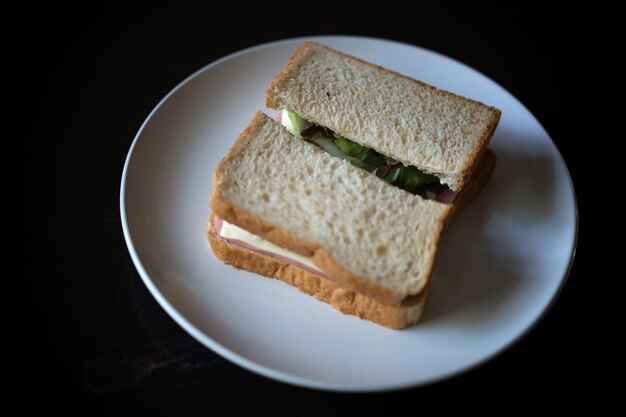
429, 136
286, 208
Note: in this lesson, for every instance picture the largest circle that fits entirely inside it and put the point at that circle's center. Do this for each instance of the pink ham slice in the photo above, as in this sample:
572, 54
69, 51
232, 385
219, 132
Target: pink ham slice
446, 195
217, 222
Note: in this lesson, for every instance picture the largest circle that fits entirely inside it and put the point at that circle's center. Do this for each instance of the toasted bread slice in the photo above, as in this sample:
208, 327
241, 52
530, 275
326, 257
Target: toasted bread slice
434, 130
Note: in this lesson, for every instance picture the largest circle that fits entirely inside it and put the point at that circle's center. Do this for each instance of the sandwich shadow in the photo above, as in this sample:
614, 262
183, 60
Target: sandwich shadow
481, 261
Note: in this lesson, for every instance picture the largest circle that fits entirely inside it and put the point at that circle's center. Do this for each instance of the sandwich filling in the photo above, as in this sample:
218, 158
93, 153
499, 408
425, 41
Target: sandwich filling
241, 237
408, 178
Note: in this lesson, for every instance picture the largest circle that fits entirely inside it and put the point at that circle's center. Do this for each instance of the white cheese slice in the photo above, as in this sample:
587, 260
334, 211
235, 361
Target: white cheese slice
286, 121
230, 231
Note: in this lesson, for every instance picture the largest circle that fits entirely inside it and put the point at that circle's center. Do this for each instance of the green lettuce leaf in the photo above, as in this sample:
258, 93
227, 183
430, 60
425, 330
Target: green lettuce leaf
408, 178
392, 175
352, 149
299, 124
412, 177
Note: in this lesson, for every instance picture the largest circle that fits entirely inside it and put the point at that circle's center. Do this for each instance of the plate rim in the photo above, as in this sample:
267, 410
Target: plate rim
285, 377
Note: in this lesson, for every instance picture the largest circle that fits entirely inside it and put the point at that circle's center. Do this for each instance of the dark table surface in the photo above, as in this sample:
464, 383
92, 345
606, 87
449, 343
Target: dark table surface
90, 339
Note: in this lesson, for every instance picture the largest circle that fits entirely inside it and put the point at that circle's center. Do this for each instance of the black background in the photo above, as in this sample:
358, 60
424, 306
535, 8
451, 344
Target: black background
88, 337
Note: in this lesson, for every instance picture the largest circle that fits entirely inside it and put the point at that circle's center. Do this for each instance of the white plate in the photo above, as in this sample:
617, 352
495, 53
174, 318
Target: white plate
499, 267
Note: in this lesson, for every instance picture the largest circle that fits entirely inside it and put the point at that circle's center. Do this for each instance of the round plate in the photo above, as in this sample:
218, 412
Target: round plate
499, 267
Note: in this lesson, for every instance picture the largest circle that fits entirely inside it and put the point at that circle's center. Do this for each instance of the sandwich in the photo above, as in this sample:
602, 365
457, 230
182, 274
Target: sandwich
347, 200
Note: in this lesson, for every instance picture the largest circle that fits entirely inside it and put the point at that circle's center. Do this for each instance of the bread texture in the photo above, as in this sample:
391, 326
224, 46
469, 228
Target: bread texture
371, 237
341, 298
417, 124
